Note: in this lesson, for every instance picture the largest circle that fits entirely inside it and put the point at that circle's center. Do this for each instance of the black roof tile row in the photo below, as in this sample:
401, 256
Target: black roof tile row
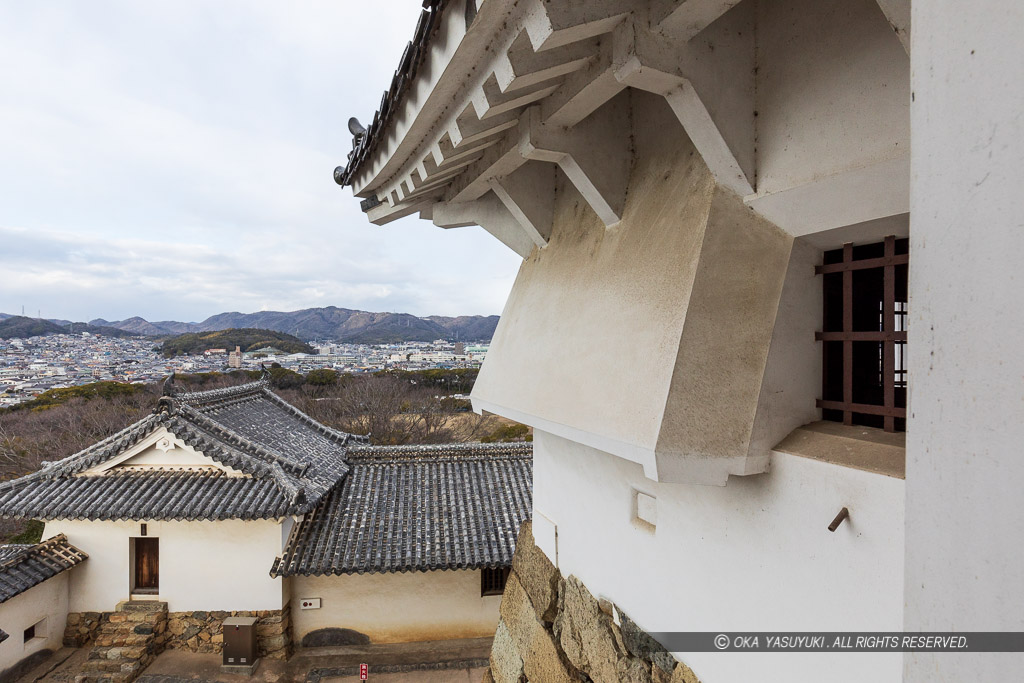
289, 461
29, 566
408, 66
420, 508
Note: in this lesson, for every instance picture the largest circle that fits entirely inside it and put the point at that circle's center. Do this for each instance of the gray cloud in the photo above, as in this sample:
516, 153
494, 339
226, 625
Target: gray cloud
173, 160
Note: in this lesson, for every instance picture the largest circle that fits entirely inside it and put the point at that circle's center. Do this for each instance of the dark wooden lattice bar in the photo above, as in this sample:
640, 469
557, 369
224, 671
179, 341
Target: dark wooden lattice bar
864, 335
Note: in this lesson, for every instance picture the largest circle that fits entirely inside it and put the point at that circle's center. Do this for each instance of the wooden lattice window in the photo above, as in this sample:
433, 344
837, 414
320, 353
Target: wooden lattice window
492, 581
864, 334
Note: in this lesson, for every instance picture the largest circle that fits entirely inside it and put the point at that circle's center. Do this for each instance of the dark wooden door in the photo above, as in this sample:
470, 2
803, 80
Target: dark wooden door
147, 564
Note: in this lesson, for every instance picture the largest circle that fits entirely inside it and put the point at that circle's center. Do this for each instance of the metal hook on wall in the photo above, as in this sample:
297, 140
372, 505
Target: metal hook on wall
843, 514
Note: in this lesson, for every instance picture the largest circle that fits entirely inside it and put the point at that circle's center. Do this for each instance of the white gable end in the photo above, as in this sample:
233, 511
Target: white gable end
161, 450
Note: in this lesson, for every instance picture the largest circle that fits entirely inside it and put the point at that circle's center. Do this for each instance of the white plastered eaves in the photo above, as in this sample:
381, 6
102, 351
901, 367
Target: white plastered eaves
534, 100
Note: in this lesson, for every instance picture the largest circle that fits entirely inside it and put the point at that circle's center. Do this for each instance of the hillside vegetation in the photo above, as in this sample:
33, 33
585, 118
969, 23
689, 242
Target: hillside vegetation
330, 322
22, 327
248, 339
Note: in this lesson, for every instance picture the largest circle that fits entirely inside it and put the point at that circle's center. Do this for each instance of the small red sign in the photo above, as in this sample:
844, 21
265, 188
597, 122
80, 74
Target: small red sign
363, 670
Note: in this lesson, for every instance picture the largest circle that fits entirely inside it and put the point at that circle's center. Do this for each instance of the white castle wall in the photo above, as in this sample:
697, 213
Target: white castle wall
753, 555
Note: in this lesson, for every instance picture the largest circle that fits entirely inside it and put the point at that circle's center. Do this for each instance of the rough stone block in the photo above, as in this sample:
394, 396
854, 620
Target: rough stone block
506, 664
536, 645
591, 640
263, 630
136, 652
538, 575
684, 674
640, 644
271, 643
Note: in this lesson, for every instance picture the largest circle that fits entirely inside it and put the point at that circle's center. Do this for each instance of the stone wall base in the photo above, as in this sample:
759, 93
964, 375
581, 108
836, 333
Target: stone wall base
204, 632
82, 627
553, 629
197, 631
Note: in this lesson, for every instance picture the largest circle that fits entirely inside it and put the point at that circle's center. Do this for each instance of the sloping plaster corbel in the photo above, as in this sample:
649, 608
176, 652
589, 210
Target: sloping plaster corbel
490, 214
529, 195
595, 154
718, 120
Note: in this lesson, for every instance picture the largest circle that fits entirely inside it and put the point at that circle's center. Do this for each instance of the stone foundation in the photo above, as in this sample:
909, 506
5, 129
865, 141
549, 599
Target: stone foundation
203, 631
127, 642
196, 631
553, 629
82, 627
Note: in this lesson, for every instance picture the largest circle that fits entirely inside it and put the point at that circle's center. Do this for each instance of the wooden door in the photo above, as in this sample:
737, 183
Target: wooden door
147, 565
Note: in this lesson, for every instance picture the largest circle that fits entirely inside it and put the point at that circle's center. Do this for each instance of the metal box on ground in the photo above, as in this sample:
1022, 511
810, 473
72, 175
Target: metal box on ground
239, 641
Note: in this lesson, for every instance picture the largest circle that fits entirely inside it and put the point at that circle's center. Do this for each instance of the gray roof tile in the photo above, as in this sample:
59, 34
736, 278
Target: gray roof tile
29, 566
417, 508
290, 462
415, 53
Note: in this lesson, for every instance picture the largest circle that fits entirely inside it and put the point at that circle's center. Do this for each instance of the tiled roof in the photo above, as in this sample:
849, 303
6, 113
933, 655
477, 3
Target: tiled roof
408, 66
31, 565
288, 462
417, 508
11, 549
152, 495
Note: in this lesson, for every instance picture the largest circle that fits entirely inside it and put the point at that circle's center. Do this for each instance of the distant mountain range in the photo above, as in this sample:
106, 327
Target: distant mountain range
341, 324
12, 326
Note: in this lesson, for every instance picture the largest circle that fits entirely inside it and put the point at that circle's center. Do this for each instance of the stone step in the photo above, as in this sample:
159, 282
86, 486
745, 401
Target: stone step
141, 606
101, 665
126, 642
106, 677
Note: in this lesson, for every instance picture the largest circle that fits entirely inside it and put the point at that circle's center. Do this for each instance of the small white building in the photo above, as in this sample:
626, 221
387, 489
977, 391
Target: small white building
33, 601
231, 502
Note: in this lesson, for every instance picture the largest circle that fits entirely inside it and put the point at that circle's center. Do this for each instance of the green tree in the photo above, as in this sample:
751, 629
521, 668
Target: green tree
322, 377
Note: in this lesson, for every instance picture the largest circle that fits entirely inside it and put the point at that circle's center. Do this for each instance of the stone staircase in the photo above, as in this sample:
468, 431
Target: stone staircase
126, 644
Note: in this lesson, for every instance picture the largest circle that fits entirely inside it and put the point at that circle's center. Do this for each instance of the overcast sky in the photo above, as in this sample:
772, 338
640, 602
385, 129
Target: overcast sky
173, 160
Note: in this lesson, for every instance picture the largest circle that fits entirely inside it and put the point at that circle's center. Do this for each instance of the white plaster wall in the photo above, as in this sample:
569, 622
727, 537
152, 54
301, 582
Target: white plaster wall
575, 334
753, 555
50, 600
833, 91
792, 376
203, 565
965, 472
396, 608
647, 339
833, 99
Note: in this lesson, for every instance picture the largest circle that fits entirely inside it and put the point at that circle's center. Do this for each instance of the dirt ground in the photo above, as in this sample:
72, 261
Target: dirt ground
450, 661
